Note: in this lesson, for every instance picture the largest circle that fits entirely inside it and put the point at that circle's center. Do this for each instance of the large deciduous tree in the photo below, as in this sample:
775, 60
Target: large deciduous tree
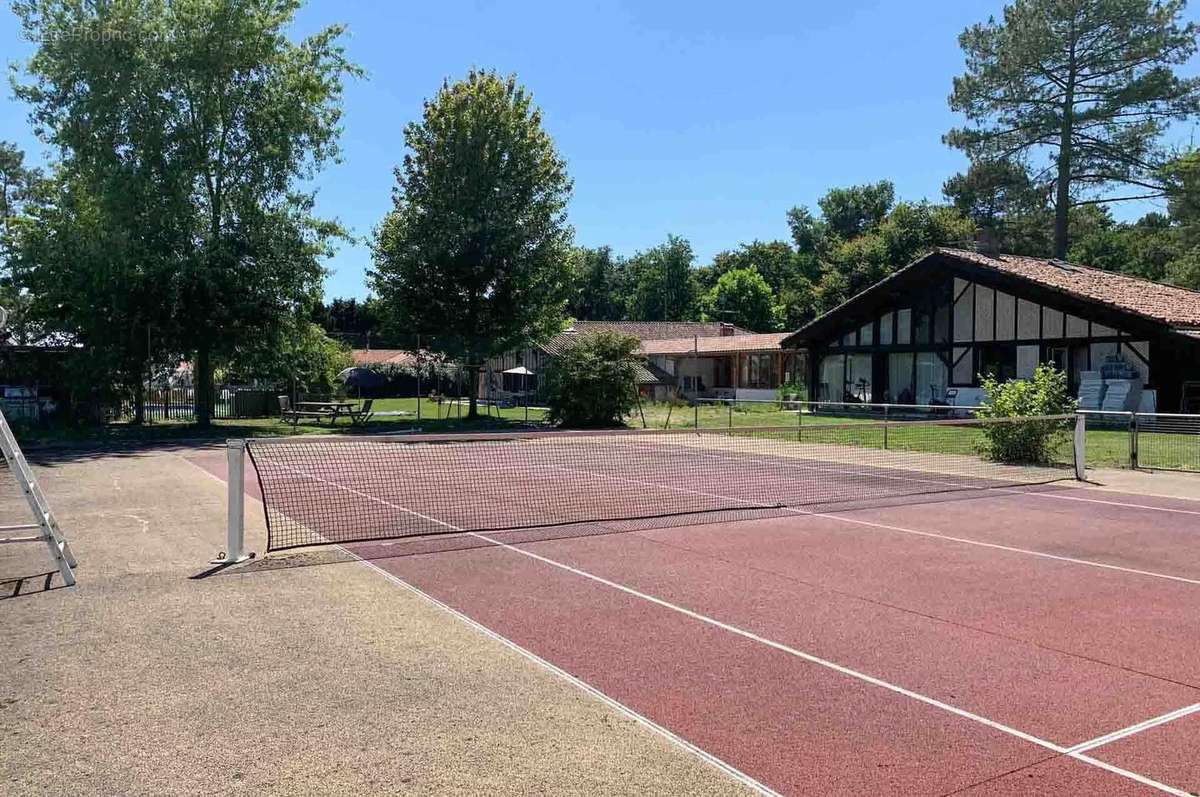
191, 125
476, 249
663, 282
1090, 82
742, 297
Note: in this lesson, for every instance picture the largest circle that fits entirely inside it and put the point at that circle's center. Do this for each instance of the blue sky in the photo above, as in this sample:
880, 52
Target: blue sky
702, 119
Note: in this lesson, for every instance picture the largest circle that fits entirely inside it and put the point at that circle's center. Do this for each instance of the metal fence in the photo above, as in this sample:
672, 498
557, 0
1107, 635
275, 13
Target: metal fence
1151, 441
163, 404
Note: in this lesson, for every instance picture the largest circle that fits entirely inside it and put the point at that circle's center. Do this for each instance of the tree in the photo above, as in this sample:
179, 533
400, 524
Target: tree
599, 292
1001, 198
1090, 81
306, 358
200, 119
663, 285
21, 190
594, 382
476, 249
849, 212
741, 297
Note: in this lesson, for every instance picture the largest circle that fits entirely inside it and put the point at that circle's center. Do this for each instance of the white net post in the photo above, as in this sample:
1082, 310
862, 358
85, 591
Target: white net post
235, 521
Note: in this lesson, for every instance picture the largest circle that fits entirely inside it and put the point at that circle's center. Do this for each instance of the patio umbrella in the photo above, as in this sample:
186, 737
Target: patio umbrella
524, 373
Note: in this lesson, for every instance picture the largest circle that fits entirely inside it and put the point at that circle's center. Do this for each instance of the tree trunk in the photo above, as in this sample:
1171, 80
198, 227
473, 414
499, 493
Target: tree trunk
1062, 201
202, 380
473, 391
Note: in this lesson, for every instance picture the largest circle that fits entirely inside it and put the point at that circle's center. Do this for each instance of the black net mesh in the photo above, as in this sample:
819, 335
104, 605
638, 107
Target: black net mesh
347, 489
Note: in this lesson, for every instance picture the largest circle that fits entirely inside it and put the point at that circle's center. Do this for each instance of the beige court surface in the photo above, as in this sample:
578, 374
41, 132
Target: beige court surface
321, 679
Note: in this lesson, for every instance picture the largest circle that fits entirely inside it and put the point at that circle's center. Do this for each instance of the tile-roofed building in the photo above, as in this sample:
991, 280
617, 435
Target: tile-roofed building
926, 333
732, 359
765, 341
367, 357
642, 330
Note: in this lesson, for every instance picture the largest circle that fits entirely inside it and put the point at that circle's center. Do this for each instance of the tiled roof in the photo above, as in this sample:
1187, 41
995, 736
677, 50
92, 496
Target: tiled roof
1154, 300
651, 374
768, 341
383, 357
642, 330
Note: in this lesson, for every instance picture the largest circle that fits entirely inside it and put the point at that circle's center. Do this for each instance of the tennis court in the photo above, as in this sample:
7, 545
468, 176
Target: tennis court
812, 616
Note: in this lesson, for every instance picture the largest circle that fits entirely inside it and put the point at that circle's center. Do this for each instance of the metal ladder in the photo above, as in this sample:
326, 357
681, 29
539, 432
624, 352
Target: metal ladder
46, 525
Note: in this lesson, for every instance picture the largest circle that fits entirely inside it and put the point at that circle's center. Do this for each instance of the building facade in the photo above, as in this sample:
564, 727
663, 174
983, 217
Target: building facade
926, 334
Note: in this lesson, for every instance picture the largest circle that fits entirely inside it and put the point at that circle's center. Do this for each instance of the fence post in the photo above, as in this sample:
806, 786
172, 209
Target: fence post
731, 413
1080, 446
799, 425
695, 383
885, 427
1133, 441
417, 356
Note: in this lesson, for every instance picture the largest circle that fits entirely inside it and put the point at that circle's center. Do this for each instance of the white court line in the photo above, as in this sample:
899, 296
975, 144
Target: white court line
901, 529
1153, 722
812, 659
710, 759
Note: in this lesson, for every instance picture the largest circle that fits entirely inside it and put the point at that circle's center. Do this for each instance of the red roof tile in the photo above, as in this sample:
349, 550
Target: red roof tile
1154, 300
768, 341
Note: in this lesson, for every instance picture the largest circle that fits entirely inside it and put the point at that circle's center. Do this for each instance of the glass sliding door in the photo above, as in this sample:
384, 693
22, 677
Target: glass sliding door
900, 378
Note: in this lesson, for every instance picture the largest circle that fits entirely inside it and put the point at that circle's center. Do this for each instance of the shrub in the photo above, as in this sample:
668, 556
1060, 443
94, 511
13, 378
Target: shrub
594, 383
1031, 441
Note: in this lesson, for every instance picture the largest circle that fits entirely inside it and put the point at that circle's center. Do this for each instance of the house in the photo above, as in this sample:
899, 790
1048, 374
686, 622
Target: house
654, 379
747, 367
926, 333
366, 358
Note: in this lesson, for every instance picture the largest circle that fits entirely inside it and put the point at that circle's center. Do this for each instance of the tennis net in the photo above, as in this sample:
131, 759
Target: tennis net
319, 490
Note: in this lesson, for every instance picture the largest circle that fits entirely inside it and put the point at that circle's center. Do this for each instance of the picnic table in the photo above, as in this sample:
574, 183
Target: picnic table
331, 409
334, 409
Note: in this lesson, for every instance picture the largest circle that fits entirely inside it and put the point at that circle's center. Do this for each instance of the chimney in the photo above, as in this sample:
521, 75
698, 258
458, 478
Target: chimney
726, 329
987, 240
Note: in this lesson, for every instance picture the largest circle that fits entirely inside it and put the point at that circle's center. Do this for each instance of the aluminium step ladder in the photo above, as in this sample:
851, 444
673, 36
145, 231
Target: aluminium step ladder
44, 522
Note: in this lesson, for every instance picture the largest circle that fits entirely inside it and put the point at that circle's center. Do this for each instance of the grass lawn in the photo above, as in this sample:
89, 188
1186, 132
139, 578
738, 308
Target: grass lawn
1106, 448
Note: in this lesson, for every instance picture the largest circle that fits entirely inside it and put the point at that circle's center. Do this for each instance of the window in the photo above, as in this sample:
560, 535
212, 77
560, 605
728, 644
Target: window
885, 329
866, 335
941, 323
904, 326
924, 325
758, 371
931, 378
858, 377
900, 379
833, 378
998, 361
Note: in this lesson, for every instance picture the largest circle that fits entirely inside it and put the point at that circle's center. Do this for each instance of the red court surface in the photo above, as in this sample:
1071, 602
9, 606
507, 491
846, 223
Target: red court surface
1006, 642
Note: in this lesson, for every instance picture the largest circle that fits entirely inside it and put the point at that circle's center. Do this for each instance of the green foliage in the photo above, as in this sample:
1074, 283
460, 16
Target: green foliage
1090, 83
1028, 441
185, 130
850, 212
741, 297
663, 282
477, 246
305, 357
850, 265
594, 383
600, 291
